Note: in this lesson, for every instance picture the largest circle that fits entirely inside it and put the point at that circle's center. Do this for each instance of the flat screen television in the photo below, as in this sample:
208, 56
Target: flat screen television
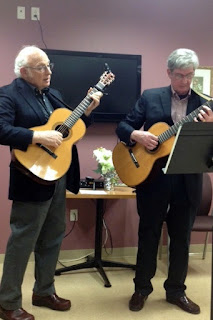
75, 72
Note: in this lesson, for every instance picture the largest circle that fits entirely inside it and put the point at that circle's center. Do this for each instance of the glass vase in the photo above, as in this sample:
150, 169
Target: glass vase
109, 184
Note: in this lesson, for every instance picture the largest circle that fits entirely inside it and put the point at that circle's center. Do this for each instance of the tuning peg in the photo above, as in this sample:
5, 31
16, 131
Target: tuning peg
107, 67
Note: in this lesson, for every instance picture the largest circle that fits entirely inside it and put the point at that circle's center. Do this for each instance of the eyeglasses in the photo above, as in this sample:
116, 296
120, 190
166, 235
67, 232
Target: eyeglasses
179, 76
42, 69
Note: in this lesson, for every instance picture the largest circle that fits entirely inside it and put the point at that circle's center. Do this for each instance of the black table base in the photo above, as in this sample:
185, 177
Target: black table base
96, 261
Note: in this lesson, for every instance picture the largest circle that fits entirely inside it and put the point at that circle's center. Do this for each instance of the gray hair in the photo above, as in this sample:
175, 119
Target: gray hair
182, 59
22, 58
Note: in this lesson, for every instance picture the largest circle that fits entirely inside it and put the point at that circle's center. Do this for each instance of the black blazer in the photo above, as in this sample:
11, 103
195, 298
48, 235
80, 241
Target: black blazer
19, 111
154, 106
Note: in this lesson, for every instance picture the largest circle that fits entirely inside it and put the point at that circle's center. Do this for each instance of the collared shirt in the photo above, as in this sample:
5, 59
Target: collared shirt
44, 102
178, 106
47, 107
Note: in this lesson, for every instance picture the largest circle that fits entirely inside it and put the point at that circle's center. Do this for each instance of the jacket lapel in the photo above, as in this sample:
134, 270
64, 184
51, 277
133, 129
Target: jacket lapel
55, 100
27, 94
193, 103
166, 101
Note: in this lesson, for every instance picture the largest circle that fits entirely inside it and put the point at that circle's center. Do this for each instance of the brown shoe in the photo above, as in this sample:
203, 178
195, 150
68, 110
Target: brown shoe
137, 301
19, 314
185, 304
53, 302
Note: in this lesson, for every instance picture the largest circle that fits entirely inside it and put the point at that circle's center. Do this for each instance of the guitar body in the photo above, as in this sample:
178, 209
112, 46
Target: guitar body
128, 172
52, 166
47, 164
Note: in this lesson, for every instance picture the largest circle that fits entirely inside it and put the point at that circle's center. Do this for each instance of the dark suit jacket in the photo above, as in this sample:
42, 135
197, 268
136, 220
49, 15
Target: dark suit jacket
19, 111
154, 106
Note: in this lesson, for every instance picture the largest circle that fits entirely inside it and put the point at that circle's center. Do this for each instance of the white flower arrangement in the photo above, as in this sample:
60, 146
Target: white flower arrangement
104, 159
105, 164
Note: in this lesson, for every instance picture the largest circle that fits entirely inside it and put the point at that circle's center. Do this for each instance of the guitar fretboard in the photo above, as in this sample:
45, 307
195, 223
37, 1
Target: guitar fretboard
79, 110
189, 118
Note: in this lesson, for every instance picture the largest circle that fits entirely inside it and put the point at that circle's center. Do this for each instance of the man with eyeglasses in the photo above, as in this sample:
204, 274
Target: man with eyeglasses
171, 198
38, 211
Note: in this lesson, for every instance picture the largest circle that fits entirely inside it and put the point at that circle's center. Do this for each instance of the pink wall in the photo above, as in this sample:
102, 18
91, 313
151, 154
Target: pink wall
150, 28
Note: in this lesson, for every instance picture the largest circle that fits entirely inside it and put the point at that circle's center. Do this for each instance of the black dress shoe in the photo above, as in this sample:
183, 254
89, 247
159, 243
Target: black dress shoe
18, 314
137, 301
52, 302
185, 304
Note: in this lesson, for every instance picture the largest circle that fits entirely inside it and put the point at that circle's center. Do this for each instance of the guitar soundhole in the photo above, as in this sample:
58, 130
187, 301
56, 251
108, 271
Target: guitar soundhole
64, 130
155, 149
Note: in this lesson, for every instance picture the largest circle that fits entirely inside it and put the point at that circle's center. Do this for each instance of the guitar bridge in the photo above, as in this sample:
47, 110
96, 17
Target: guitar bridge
52, 154
134, 160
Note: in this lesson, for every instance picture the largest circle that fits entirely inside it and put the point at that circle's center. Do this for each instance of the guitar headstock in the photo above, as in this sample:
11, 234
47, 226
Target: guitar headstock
107, 78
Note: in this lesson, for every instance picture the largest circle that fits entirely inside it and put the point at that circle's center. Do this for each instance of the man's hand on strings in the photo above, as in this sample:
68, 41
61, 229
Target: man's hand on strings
205, 115
96, 97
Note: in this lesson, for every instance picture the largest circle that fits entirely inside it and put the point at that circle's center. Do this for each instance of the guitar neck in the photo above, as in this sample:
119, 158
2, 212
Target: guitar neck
105, 80
189, 118
81, 108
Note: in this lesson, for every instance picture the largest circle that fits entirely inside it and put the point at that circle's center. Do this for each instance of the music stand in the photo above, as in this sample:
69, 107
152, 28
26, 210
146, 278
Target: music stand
192, 152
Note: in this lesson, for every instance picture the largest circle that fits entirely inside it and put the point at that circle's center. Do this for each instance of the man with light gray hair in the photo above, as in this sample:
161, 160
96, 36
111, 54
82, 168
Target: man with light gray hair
38, 210
172, 198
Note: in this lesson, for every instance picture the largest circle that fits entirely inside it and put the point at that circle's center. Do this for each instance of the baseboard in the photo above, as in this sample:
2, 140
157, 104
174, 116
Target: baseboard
117, 253
194, 248
127, 254
123, 254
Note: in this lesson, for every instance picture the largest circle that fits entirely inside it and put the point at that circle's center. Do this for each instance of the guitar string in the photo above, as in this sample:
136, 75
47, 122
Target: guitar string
190, 117
98, 87
76, 114
78, 111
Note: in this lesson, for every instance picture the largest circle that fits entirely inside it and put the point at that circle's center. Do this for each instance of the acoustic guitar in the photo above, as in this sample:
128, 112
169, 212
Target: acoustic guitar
137, 164
47, 164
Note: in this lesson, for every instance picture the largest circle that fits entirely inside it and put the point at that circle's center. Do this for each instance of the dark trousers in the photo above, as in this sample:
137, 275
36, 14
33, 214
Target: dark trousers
165, 200
38, 227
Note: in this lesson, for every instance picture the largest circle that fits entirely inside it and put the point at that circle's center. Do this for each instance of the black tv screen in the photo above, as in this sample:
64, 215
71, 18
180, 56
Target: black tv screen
75, 72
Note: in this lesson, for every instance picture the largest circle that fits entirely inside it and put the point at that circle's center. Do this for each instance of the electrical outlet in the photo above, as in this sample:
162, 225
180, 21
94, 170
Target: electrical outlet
21, 13
35, 13
74, 215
